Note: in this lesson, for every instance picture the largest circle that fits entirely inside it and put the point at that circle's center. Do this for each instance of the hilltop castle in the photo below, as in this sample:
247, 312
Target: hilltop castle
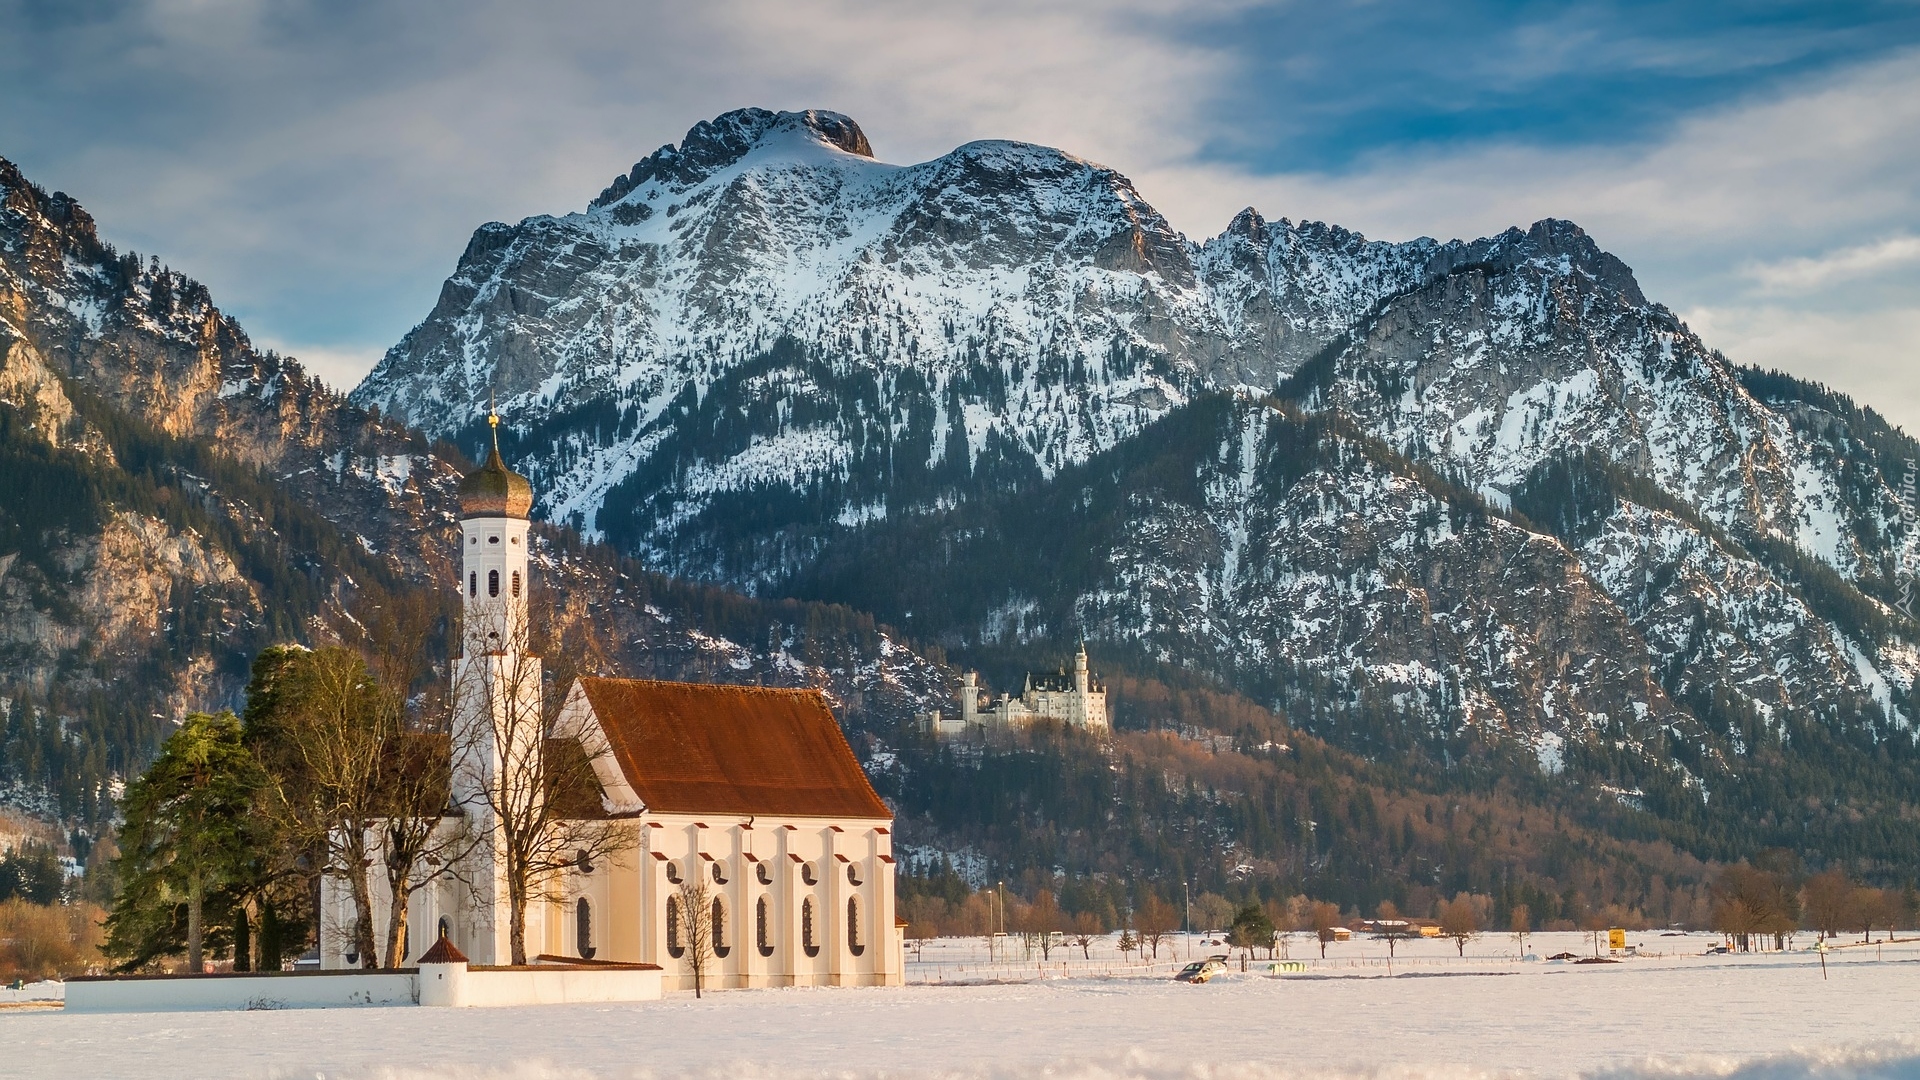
1070, 699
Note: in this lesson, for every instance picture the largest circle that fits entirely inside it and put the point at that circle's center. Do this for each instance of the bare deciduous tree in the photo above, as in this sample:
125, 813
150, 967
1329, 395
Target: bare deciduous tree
1389, 924
315, 727
696, 916
1325, 919
539, 792
1829, 902
1460, 921
420, 844
1520, 921
1156, 919
1086, 927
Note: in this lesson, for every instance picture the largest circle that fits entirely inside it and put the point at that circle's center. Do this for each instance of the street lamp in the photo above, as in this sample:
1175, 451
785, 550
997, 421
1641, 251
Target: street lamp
1186, 931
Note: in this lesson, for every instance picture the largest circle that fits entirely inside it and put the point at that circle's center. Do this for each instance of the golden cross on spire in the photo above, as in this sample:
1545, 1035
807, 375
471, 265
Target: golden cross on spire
493, 422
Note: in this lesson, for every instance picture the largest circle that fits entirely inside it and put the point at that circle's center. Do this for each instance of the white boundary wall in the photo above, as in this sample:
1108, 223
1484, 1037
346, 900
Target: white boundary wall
459, 986
431, 984
265, 990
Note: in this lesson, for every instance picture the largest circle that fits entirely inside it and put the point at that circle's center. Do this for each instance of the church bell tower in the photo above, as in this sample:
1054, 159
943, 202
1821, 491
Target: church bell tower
497, 724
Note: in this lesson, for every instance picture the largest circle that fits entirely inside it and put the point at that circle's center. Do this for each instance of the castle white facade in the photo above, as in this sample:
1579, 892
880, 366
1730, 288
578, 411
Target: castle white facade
747, 798
1074, 700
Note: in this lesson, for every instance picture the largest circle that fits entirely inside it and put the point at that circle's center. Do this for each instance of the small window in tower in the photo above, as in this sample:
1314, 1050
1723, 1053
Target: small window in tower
493, 583
583, 929
513, 540
493, 539
473, 584
473, 539
516, 583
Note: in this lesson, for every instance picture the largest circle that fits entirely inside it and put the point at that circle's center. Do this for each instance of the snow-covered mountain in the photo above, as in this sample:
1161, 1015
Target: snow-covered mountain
878, 337
764, 331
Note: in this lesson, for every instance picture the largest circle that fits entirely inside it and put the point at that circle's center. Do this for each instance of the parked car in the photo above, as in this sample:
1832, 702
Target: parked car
1201, 970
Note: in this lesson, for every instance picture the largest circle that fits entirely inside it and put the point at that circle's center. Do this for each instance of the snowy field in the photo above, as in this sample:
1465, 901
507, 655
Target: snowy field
1758, 1017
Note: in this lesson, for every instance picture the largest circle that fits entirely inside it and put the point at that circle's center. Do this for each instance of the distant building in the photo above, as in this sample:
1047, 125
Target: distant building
1072, 699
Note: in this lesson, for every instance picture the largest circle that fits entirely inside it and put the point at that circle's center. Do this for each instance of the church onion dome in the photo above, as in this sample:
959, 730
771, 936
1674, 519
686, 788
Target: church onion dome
493, 490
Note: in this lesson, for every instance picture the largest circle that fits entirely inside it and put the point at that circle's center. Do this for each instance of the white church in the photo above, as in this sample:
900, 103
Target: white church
753, 792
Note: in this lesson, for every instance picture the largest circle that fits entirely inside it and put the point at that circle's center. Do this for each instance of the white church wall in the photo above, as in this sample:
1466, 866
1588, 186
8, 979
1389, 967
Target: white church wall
790, 851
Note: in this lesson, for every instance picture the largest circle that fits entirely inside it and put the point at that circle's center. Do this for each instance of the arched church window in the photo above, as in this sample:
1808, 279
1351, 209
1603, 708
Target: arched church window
807, 943
516, 583
493, 583
675, 948
720, 946
473, 583
854, 944
583, 928
762, 936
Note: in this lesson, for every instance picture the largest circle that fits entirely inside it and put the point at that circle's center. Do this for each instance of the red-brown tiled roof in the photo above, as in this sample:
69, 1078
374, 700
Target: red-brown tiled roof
697, 748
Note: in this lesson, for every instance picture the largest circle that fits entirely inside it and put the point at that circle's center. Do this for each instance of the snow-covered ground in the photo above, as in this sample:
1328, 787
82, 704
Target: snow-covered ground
1764, 1017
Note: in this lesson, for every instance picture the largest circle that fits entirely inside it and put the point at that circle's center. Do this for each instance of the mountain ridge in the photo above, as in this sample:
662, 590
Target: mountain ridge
804, 370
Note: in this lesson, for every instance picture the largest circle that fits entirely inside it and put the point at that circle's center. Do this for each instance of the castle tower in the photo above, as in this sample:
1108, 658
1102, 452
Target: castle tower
969, 700
498, 728
1080, 687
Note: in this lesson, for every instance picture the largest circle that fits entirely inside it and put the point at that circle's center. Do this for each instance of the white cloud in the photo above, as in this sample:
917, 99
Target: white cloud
1845, 264
322, 172
339, 367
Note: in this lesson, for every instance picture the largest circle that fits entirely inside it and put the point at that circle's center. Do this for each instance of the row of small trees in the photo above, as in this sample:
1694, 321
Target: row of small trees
1757, 902
1748, 902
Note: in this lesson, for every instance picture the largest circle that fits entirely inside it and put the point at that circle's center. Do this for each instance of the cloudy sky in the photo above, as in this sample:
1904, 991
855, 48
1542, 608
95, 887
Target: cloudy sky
321, 165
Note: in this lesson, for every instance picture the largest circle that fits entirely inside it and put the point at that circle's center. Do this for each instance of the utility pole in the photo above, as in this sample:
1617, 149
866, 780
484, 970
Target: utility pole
1186, 921
1000, 916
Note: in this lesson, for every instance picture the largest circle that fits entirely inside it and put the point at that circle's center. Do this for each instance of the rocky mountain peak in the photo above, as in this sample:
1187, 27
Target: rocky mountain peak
712, 145
1554, 239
